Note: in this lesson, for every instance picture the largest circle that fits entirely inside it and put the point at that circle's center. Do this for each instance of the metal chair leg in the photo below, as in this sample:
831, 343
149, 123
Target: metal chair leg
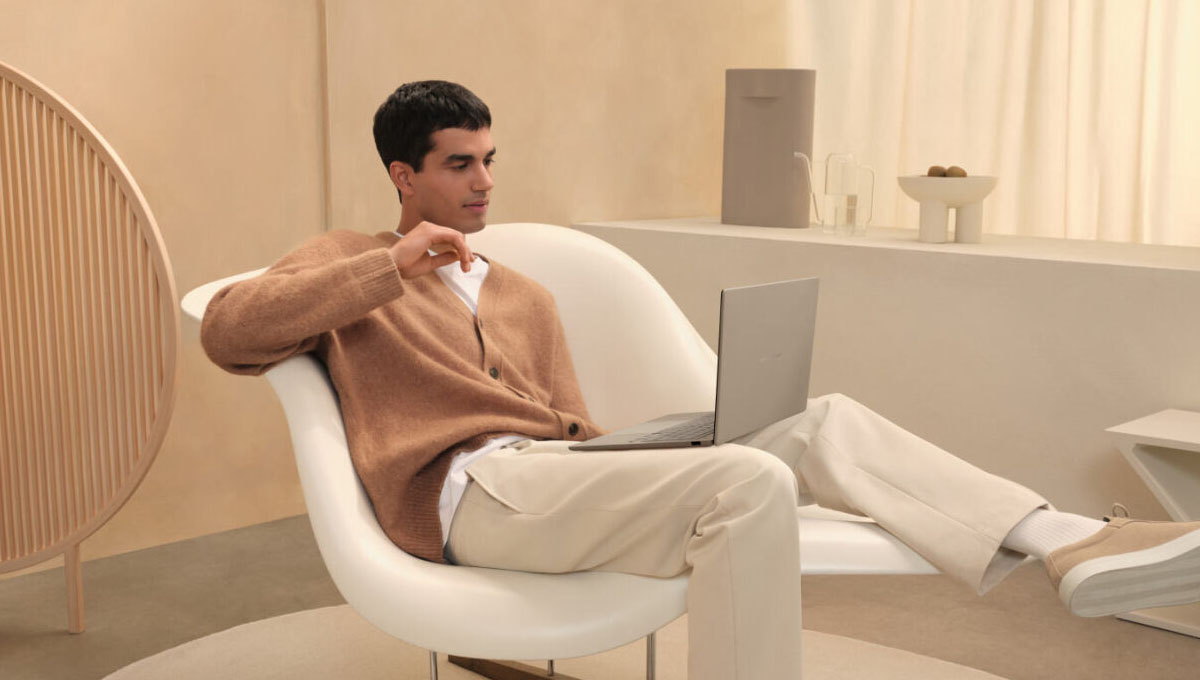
508, 670
433, 665
512, 670
650, 656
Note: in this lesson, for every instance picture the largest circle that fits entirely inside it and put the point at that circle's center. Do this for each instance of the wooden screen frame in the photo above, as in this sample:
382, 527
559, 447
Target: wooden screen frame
67, 199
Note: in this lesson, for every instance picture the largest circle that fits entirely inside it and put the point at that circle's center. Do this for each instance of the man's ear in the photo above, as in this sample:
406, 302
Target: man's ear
402, 176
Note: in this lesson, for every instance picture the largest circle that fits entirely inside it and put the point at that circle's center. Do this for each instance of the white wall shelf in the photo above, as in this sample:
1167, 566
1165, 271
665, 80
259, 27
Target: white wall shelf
1082, 251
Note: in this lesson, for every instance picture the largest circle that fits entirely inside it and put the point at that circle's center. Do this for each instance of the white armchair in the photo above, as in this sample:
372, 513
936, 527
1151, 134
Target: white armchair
648, 361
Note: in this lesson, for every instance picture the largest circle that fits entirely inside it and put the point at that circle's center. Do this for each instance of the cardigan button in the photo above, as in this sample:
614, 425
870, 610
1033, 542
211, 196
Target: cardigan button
573, 429
494, 372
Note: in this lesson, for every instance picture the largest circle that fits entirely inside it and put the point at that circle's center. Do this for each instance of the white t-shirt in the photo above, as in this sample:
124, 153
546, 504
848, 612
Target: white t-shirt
466, 286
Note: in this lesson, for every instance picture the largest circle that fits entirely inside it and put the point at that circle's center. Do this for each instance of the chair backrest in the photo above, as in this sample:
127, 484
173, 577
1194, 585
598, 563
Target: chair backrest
636, 355
89, 329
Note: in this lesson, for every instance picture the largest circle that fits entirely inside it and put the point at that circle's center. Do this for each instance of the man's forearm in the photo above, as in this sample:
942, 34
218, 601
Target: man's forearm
254, 324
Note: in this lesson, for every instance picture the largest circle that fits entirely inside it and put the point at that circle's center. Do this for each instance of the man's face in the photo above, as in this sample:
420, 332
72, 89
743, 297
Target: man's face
455, 183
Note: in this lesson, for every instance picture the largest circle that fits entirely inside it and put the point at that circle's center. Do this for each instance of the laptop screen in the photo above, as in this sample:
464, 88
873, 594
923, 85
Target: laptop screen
765, 355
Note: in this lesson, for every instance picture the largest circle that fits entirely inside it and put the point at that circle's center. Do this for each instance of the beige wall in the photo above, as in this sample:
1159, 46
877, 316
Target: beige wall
603, 109
600, 109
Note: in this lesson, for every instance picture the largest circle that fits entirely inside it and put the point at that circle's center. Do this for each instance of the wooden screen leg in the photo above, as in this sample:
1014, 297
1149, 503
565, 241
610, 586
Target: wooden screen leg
505, 670
74, 572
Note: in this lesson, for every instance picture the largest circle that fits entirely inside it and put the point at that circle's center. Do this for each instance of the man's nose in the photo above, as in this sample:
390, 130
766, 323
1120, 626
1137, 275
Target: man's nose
483, 179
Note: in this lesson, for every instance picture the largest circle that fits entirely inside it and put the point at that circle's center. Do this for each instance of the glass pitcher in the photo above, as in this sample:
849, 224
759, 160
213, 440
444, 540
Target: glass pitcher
841, 207
843, 214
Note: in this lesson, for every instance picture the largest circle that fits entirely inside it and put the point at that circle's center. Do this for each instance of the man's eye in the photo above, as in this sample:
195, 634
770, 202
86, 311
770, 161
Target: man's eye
487, 162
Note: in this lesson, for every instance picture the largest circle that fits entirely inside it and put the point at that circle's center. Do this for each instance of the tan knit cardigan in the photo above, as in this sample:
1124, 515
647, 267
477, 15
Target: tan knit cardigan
419, 377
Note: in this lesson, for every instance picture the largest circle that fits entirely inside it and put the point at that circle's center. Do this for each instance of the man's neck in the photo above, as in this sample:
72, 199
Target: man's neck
408, 221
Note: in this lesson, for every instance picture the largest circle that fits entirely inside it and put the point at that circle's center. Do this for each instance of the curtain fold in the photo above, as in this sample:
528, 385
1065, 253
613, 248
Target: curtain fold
1085, 110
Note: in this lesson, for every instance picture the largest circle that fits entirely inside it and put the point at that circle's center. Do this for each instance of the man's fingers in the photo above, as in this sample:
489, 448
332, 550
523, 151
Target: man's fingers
467, 257
443, 239
411, 252
459, 243
444, 259
427, 263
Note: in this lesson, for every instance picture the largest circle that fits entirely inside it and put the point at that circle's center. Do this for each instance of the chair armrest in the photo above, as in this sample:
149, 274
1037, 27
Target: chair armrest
196, 301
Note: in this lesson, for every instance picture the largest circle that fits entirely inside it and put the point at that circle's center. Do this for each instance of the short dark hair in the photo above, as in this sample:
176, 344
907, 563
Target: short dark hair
405, 123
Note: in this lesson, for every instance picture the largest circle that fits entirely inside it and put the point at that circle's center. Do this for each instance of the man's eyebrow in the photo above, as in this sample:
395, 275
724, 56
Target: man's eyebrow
466, 157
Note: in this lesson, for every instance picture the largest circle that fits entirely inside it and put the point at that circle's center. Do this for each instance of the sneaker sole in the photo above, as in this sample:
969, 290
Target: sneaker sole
1161, 576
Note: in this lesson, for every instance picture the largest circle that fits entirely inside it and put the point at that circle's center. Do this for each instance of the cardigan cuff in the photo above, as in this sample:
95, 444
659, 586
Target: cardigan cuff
378, 277
572, 427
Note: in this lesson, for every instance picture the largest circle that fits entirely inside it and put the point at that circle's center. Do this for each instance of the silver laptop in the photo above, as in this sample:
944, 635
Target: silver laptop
764, 357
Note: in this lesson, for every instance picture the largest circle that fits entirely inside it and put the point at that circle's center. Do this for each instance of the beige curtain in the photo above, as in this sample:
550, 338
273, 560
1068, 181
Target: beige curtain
1087, 111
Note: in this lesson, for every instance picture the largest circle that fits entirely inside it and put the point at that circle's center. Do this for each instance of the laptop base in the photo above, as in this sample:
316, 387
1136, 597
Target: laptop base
630, 437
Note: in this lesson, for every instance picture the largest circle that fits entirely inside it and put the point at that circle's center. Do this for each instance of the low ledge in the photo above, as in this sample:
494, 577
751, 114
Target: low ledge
994, 245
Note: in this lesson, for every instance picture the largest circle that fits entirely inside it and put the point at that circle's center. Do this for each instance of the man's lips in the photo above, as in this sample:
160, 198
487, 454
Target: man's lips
478, 206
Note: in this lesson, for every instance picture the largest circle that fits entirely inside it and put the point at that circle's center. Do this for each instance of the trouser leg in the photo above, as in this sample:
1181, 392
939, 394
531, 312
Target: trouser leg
727, 513
953, 514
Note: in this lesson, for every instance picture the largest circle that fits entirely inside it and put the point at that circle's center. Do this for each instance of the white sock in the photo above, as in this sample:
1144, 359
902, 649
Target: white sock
1044, 531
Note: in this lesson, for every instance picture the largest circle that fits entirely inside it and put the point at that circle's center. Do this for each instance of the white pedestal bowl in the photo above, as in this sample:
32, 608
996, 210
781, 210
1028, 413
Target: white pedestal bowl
938, 194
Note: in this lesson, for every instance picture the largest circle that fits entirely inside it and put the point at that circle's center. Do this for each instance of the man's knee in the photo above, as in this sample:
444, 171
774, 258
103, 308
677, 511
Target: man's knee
837, 400
766, 472
837, 405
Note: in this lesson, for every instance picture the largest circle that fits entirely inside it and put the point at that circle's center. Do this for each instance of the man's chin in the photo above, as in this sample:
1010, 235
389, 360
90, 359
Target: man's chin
472, 223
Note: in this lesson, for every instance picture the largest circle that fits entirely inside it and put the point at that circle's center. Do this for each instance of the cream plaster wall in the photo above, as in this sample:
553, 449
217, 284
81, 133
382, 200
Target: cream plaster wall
600, 109
606, 109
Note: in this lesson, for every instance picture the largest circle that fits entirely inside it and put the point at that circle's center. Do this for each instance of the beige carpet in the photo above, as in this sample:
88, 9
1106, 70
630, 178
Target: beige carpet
334, 642
141, 603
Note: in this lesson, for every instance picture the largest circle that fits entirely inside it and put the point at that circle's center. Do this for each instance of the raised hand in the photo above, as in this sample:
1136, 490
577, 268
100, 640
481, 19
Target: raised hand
411, 253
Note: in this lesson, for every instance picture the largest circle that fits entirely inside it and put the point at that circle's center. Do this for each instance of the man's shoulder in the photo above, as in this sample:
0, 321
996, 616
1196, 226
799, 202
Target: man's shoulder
348, 239
335, 244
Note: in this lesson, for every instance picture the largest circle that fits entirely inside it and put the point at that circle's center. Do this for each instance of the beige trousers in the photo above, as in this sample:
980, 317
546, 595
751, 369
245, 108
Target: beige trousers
727, 513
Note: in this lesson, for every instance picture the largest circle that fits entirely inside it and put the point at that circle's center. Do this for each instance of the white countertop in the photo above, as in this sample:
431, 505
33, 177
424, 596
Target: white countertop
993, 245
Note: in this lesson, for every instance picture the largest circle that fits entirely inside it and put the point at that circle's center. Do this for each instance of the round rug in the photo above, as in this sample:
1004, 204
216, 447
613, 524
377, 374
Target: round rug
334, 642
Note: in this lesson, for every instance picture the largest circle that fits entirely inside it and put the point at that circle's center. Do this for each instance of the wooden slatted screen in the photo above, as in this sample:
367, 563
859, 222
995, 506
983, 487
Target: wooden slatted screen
89, 327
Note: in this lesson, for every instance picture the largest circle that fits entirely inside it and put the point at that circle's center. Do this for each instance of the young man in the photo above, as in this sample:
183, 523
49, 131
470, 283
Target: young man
460, 400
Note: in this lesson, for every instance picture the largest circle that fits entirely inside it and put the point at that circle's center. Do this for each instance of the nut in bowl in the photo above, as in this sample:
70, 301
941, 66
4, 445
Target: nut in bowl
938, 194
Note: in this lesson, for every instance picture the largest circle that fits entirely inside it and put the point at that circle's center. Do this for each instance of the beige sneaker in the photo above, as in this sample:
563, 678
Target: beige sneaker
1129, 564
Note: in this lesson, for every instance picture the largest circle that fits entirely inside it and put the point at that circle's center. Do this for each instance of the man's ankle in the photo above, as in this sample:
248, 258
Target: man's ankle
1043, 531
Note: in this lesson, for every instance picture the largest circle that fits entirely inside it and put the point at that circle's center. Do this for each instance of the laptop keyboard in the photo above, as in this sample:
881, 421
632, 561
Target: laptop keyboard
700, 428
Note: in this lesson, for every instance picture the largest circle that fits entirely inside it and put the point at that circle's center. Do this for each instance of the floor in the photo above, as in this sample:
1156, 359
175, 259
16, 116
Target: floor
143, 602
